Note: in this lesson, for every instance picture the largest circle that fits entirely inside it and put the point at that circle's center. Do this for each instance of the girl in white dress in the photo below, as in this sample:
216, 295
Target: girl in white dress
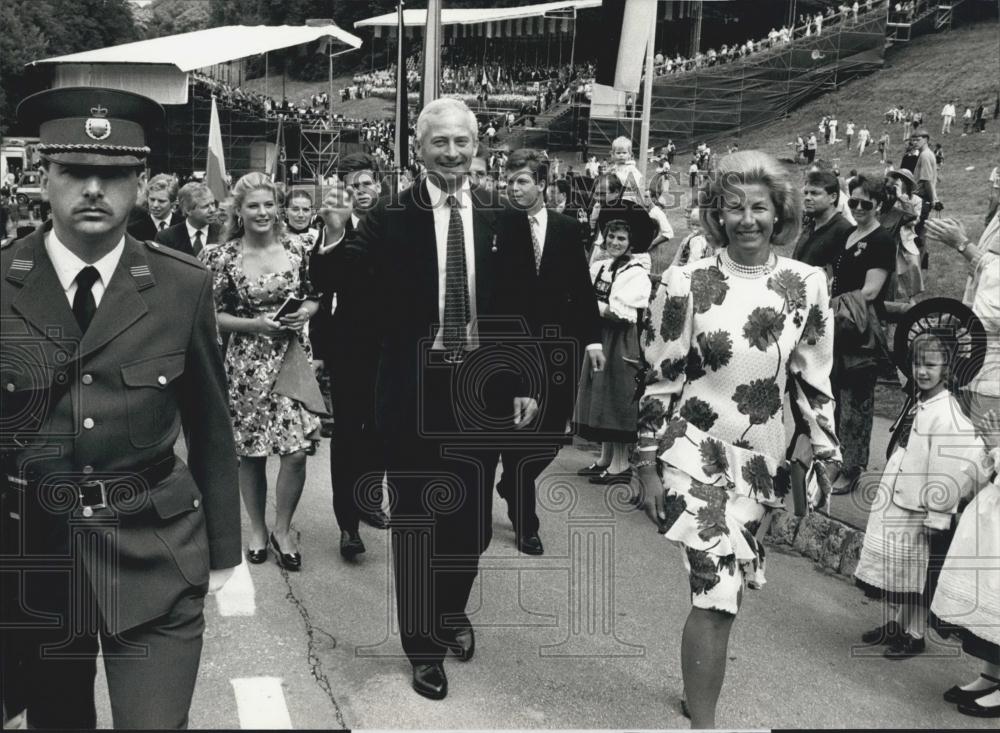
911, 517
967, 601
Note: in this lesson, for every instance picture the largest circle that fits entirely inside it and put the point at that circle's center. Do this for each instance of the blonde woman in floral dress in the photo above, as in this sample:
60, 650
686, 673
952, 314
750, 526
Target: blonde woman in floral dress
257, 268
726, 335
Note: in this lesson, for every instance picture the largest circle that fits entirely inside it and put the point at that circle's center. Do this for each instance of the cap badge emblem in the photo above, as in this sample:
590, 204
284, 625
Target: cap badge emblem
98, 127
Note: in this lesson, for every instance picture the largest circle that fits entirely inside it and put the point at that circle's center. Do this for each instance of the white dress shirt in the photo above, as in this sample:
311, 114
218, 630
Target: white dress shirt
67, 266
442, 214
194, 230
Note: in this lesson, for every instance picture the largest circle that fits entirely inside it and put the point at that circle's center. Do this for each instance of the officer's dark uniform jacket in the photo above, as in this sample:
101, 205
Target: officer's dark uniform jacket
110, 404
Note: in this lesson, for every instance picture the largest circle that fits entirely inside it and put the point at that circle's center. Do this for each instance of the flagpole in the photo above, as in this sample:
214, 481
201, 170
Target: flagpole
647, 100
432, 53
402, 97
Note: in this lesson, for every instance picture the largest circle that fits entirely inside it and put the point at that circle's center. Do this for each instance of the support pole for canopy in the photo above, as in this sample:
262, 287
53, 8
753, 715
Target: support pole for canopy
647, 101
572, 49
266, 73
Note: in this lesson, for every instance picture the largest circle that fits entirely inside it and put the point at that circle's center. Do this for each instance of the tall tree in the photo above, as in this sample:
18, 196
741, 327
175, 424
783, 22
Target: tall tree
36, 29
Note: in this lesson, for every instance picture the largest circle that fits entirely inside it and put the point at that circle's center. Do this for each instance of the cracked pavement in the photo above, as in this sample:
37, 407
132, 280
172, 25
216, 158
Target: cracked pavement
586, 636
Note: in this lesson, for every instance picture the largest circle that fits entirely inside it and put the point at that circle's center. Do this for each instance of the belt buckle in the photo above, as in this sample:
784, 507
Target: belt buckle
88, 509
454, 357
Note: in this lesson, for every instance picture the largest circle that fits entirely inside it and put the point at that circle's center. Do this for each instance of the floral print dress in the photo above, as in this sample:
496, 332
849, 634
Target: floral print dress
720, 347
264, 422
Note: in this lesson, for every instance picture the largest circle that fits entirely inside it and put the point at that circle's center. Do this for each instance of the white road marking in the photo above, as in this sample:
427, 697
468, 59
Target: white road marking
260, 702
237, 596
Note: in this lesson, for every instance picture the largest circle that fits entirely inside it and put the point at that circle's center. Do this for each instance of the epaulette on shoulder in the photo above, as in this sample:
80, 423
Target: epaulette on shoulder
160, 249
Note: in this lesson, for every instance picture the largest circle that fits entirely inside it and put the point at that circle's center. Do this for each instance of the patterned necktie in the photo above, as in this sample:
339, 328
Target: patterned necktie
84, 304
536, 245
197, 245
456, 284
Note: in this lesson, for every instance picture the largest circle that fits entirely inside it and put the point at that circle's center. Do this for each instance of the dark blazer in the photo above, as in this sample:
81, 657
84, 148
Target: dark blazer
140, 223
395, 246
566, 305
176, 237
147, 366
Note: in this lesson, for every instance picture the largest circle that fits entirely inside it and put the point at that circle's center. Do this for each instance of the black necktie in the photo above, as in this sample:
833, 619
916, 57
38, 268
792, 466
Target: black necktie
84, 305
197, 242
162, 225
456, 283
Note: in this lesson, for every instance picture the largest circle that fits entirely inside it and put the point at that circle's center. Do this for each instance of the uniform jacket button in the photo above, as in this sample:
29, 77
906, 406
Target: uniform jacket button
10, 387
87, 379
161, 379
87, 470
196, 503
88, 423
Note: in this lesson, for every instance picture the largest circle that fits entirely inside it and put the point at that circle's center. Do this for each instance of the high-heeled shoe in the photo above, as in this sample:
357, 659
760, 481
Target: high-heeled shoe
256, 557
287, 560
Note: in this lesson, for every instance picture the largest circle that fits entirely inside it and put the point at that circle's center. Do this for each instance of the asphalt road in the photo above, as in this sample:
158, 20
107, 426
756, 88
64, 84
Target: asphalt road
586, 636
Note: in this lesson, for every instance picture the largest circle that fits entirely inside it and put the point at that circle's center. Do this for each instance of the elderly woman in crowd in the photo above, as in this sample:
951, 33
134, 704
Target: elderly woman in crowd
274, 406
725, 337
858, 289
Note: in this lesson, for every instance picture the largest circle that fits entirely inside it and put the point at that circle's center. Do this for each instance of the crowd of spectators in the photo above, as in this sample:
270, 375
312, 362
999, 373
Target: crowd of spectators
808, 25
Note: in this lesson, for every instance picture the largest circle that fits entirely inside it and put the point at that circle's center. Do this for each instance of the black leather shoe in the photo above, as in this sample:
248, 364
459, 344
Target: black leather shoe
964, 697
256, 557
377, 519
889, 633
351, 545
430, 680
463, 644
905, 648
530, 545
979, 711
605, 477
592, 470
287, 560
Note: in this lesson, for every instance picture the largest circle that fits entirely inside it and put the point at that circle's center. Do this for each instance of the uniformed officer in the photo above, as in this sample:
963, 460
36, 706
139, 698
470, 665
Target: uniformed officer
108, 350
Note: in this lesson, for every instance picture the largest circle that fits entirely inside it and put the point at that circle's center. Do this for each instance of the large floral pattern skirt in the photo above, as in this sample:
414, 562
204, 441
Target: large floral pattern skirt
721, 350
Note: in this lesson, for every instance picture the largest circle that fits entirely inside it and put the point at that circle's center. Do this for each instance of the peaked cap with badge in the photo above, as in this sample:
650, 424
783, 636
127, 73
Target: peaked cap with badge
91, 125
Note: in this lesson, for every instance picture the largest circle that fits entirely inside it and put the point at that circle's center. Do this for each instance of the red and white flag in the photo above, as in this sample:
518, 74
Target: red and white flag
215, 167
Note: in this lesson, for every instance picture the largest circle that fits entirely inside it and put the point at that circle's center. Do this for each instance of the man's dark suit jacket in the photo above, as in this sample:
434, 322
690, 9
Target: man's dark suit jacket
395, 245
177, 237
140, 223
566, 307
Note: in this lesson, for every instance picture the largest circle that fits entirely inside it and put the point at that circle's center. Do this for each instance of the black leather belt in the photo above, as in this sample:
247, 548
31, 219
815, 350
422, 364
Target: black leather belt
92, 490
437, 357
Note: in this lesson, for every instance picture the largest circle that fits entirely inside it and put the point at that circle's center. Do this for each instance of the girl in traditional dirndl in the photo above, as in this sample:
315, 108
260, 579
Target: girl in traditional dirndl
967, 601
606, 405
910, 523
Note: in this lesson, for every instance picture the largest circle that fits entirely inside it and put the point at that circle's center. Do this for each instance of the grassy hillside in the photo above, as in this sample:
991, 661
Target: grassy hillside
962, 64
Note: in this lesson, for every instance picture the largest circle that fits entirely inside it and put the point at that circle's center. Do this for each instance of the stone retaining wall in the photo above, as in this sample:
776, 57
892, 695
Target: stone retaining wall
830, 543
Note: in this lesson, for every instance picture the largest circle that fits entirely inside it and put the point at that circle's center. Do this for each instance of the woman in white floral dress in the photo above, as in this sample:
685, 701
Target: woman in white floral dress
257, 268
725, 336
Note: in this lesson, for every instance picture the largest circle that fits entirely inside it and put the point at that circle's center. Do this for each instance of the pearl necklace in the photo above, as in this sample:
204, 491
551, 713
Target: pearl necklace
749, 271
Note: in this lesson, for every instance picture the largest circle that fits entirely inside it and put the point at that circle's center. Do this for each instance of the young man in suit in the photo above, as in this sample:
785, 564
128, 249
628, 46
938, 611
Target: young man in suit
197, 230
145, 223
109, 350
345, 338
568, 312
449, 273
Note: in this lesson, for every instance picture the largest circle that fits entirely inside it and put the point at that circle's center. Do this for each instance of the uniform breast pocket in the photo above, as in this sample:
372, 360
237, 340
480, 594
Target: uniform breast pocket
151, 397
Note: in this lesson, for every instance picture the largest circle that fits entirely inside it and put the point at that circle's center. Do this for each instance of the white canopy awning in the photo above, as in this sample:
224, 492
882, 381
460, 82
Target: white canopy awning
199, 49
472, 16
